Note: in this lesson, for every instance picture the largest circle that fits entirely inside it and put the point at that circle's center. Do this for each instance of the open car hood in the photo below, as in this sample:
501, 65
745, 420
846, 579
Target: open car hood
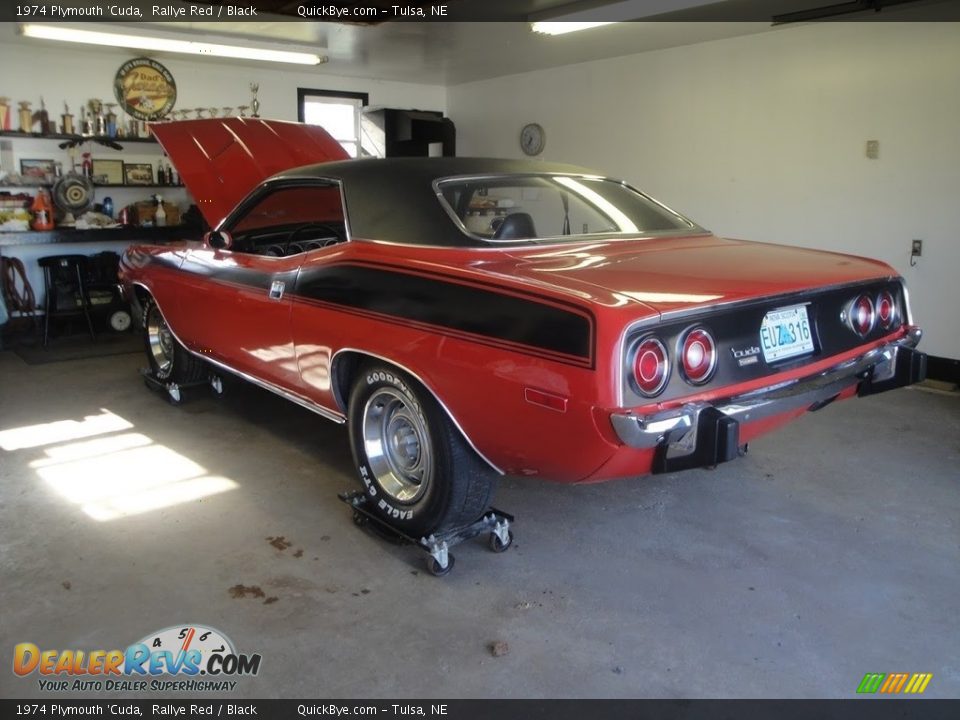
221, 160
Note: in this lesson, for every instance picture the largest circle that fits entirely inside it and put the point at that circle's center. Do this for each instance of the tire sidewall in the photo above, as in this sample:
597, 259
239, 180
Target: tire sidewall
424, 513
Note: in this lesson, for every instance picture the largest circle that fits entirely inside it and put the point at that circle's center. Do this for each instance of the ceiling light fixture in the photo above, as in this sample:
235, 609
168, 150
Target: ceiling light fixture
562, 28
160, 44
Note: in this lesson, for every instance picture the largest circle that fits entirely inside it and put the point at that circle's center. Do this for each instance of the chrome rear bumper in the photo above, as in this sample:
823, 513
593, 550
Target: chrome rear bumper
702, 433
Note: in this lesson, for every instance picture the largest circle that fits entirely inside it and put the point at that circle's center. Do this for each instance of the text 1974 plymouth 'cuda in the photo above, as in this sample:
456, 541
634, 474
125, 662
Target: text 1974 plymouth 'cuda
468, 318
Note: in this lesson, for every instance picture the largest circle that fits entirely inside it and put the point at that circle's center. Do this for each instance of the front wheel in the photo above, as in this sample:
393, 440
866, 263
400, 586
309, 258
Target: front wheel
417, 470
169, 360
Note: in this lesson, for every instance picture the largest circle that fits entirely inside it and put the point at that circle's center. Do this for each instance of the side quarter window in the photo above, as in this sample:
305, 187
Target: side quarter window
291, 220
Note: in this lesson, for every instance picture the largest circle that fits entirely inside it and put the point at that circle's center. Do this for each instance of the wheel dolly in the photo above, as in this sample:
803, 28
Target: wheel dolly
437, 545
175, 391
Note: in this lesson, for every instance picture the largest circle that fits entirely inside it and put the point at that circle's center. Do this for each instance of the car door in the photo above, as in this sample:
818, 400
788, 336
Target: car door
237, 304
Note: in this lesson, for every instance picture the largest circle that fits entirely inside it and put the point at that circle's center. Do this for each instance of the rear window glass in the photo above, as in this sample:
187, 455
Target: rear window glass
539, 207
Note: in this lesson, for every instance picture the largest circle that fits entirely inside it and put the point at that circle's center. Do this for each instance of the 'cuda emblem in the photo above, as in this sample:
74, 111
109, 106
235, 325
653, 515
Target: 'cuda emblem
746, 356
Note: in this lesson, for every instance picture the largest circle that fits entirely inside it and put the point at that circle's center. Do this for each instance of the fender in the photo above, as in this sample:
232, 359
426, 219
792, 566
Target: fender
322, 410
334, 361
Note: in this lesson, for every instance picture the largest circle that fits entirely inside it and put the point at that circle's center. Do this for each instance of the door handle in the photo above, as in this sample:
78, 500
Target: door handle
276, 289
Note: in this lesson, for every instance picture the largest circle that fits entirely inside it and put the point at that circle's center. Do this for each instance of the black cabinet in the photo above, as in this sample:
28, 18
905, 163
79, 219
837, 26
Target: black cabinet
388, 132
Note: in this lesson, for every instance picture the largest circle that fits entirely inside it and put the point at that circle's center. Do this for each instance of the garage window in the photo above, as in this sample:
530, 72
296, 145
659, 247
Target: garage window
337, 112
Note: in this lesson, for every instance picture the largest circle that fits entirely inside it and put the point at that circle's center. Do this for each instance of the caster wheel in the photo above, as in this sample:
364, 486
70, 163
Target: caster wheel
497, 545
359, 520
173, 394
434, 567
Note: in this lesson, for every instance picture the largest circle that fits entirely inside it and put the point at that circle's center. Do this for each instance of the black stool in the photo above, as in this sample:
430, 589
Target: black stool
65, 286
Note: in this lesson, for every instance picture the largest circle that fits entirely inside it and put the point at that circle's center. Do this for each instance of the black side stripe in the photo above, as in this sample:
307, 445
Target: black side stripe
462, 308
518, 321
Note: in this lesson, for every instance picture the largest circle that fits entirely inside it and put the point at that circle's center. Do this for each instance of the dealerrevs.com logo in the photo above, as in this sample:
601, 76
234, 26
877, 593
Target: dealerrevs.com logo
200, 658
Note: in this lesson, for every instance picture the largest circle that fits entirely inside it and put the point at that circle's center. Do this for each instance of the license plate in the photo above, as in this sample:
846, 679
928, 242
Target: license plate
785, 333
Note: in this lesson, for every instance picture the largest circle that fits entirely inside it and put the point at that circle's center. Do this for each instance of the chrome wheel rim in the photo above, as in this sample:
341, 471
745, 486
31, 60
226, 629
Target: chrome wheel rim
397, 445
160, 342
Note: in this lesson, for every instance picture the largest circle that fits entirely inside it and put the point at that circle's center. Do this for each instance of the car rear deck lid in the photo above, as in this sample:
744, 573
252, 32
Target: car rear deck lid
221, 160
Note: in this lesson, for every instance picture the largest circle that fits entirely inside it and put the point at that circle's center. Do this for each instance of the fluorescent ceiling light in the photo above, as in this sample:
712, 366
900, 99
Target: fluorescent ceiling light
561, 28
159, 44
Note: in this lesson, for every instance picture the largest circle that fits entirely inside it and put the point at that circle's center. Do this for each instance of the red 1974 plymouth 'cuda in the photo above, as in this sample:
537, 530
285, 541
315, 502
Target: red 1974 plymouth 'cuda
468, 318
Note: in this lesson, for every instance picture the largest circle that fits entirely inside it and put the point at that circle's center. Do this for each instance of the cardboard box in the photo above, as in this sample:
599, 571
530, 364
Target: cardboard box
144, 213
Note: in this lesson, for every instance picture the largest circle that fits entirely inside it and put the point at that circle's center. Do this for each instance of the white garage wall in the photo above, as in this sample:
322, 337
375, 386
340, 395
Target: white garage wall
763, 137
76, 73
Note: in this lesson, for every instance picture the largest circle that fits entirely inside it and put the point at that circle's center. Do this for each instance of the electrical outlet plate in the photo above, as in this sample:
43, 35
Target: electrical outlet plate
873, 149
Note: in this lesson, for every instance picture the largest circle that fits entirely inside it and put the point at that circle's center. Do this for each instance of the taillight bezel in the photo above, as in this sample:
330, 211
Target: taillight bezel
892, 321
853, 315
690, 336
635, 357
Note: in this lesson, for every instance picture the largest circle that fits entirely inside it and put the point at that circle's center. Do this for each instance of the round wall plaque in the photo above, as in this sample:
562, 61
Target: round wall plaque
145, 89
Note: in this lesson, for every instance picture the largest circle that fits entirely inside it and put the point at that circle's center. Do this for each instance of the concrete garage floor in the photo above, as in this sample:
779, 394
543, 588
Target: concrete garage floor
830, 551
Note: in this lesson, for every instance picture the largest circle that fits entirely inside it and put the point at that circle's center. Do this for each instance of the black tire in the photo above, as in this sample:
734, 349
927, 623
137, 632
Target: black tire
433, 483
433, 567
169, 360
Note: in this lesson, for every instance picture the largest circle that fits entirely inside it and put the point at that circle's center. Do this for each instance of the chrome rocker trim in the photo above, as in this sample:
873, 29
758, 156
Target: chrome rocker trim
706, 433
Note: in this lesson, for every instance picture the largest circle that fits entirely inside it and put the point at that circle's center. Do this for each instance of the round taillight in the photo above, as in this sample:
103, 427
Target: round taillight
886, 310
651, 367
862, 315
698, 355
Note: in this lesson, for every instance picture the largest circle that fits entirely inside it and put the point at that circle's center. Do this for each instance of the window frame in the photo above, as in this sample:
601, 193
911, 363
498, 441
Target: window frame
438, 188
304, 94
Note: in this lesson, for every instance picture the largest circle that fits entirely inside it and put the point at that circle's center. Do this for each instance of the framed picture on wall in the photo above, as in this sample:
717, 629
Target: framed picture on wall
138, 173
38, 170
108, 172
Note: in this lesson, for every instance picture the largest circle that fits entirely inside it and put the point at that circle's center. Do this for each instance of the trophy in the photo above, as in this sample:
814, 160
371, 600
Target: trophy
67, 120
111, 120
44, 118
98, 123
243, 110
26, 116
255, 104
199, 112
212, 111
227, 111
4, 113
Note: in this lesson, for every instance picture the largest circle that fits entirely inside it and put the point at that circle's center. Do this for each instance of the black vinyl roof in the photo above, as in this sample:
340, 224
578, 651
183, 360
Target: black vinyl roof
393, 199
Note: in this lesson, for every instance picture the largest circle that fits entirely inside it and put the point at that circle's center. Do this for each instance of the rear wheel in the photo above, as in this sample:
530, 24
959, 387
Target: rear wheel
169, 360
417, 470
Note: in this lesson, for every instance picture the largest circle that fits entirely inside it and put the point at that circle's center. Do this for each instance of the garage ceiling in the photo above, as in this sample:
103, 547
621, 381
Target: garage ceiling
458, 52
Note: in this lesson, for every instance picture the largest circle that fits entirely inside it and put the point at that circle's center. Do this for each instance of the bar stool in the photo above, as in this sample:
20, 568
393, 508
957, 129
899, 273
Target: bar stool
64, 287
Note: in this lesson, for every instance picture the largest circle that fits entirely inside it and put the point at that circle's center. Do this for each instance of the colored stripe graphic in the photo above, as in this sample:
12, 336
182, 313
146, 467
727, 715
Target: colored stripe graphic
918, 683
871, 682
894, 683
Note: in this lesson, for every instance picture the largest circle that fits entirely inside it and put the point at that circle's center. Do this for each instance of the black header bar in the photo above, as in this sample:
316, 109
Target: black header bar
205, 708
366, 12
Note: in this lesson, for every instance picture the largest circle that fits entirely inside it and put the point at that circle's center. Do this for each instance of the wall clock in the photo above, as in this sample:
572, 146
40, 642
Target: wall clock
532, 139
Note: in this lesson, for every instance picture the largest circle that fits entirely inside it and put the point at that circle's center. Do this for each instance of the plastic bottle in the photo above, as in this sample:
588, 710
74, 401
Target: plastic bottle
161, 173
160, 217
108, 206
42, 210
